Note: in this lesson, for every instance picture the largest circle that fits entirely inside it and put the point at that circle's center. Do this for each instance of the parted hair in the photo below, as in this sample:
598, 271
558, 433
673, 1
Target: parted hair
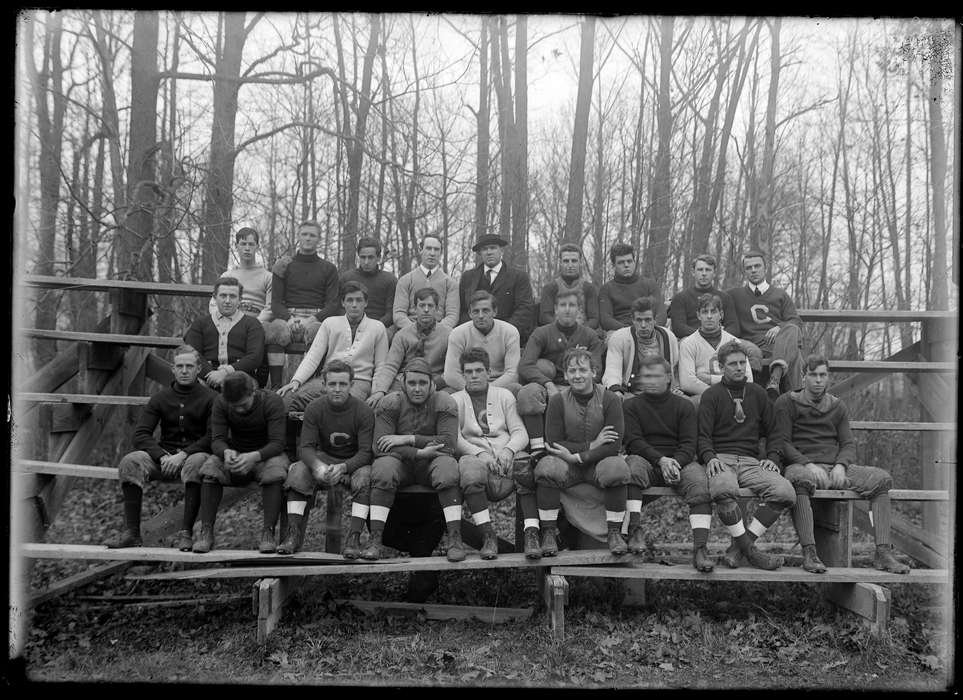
619, 249
730, 348
351, 286
337, 366
228, 282
482, 295
709, 260
709, 301
643, 304
579, 354
184, 349
237, 386
753, 253
815, 360
243, 233
474, 355
569, 248
426, 292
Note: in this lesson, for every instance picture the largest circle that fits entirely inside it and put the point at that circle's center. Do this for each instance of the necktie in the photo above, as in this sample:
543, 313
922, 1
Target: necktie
491, 276
757, 292
740, 415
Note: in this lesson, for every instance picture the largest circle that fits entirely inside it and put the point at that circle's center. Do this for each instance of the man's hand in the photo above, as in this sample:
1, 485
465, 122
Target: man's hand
230, 455
704, 377
374, 398
606, 435
671, 470
771, 334
170, 464
714, 466
551, 389
389, 442
837, 477
819, 475
215, 377
562, 452
505, 459
329, 474
677, 391
244, 463
431, 450
292, 385
769, 465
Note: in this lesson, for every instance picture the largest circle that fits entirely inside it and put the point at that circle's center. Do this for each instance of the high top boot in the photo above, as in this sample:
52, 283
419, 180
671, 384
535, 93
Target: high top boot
636, 540
811, 561
456, 548
292, 542
533, 550
616, 543
267, 544
374, 549
549, 541
205, 540
489, 549
701, 560
352, 547
886, 561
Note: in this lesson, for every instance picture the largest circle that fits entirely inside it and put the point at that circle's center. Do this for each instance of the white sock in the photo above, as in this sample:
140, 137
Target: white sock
757, 528
737, 530
537, 444
531, 522
296, 507
548, 514
379, 513
275, 359
614, 516
481, 517
633, 506
452, 513
359, 510
700, 521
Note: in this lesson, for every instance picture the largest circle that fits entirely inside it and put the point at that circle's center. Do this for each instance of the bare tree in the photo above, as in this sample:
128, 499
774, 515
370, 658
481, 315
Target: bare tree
576, 183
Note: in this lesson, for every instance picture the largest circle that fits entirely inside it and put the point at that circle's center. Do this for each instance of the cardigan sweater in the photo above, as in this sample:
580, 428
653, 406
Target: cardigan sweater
660, 425
403, 308
402, 351
367, 350
698, 366
616, 297
502, 346
758, 314
719, 431
808, 432
575, 421
381, 292
183, 414
684, 311
505, 427
305, 281
436, 420
245, 344
262, 429
344, 432
550, 342
620, 358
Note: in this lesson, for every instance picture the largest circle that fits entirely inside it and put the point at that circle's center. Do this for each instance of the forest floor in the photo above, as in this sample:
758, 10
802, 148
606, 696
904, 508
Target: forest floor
689, 635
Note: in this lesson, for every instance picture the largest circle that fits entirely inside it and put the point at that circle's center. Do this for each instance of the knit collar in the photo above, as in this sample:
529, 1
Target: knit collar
763, 287
307, 257
631, 279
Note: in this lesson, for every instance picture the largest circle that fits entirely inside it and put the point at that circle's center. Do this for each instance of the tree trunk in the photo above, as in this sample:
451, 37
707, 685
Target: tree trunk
501, 76
762, 223
576, 178
939, 293
520, 150
653, 264
483, 118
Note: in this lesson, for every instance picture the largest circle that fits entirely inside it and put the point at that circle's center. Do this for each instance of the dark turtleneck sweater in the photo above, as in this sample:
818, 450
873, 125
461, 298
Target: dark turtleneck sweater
183, 414
305, 281
660, 425
719, 431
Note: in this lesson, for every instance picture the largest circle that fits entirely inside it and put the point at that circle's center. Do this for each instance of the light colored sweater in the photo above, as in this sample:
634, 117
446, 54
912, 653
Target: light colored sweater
403, 309
505, 427
621, 357
502, 344
698, 366
368, 350
256, 283
402, 351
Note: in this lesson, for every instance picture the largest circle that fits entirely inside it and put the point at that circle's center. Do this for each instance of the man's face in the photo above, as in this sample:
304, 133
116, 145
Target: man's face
243, 406
579, 376
491, 254
566, 311
483, 315
185, 368
336, 386
368, 259
227, 297
246, 249
655, 380
426, 310
735, 367
476, 376
703, 273
710, 319
569, 264
431, 252
644, 323
417, 387
354, 305
755, 269
308, 239
816, 381
625, 265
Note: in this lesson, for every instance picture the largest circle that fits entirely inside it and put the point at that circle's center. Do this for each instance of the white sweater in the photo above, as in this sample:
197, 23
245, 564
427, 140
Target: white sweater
502, 344
698, 367
621, 355
333, 341
505, 427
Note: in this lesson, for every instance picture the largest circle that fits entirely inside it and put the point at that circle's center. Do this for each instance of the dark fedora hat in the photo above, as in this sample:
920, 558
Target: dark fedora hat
489, 239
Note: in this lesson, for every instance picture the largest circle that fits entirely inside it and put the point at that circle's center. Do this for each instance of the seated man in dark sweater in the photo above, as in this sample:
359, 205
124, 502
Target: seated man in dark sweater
583, 433
304, 292
182, 410
734, 417
570, 278
541, 371
616, 295
660, 444
247, 443
228, 339
379, 283
814, 439
415, 434
335, 449
768, 318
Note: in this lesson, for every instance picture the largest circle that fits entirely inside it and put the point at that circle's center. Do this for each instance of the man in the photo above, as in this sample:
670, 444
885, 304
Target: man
570, 278
583, 434
767, 317
814, 437
379, 283
616, 295
227, 339
734, 416
699, 367
684, 307
491, 437
660, 444
355, 338
498, 338
415, 434
182, 410
254, 278
247, 444
627, 346
426, 339
427, 274
541, 370
511, 287
335, 448
304, 293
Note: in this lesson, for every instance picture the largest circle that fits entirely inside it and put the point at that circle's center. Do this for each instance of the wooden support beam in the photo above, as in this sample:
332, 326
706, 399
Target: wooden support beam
556, 596
159, 369
868, 600
833, 522
29, 466
91, 552
95, 399
123, 339
61, 369
332, 520
862, 380
435, 611
921, 545
270, 594
792, 574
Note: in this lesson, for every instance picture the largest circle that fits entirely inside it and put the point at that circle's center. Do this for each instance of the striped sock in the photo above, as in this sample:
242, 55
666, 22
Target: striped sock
879, 516
802, 519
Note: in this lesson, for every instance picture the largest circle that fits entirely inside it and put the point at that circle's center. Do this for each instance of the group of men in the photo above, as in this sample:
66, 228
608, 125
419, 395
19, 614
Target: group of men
448, 385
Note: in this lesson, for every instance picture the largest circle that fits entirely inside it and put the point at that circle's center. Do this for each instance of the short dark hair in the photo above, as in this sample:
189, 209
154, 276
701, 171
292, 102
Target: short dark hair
569, 248
425, 292
709, 301
482, 295
754, 253
369, 242
709, 260
310, 222
653, 360
474, 355
579, 354
815, 360
351, 286
228, 282
421, 243
643, 304
563, 293
237, 386
184, 349
619, 249
730, 348
337, 366
243, 233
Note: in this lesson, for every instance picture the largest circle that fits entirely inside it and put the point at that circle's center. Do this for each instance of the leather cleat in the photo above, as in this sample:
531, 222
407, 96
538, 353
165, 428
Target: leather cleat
128, 538
205, 540
733, 557
352, 547
533, 550
184, 540
885, 560
489, 548
267, 544
761, 560
811, 561
636, 540
616, 543
291, 543
549, 542
701, 560
456, 548
373, 551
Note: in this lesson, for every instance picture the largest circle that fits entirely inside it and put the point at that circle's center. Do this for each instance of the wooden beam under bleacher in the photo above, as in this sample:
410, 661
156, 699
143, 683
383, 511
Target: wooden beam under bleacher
99, 399
748, 573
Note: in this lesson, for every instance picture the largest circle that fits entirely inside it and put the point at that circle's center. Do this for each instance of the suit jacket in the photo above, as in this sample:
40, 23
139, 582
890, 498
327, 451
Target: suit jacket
512, 291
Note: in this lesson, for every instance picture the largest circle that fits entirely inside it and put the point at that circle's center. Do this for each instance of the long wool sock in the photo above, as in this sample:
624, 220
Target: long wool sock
802, 519
529, 507
700, 519
614, 498
211, 492
476, 502
881, 515
133, 498
359, 513
535, 425
192, 504
548, 497
272, 496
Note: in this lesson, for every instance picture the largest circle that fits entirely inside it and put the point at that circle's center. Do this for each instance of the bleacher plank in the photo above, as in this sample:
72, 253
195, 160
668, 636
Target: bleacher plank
872, 315
30, 466
748, 573
832, 494
44, 550
154, 341
885, 366
893, 425
99, 399
89, 284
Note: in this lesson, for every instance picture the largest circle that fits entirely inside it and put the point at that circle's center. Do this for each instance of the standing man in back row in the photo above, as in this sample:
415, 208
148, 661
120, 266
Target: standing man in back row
428, 274
616, 295
571, 278
684, 307
379, 284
